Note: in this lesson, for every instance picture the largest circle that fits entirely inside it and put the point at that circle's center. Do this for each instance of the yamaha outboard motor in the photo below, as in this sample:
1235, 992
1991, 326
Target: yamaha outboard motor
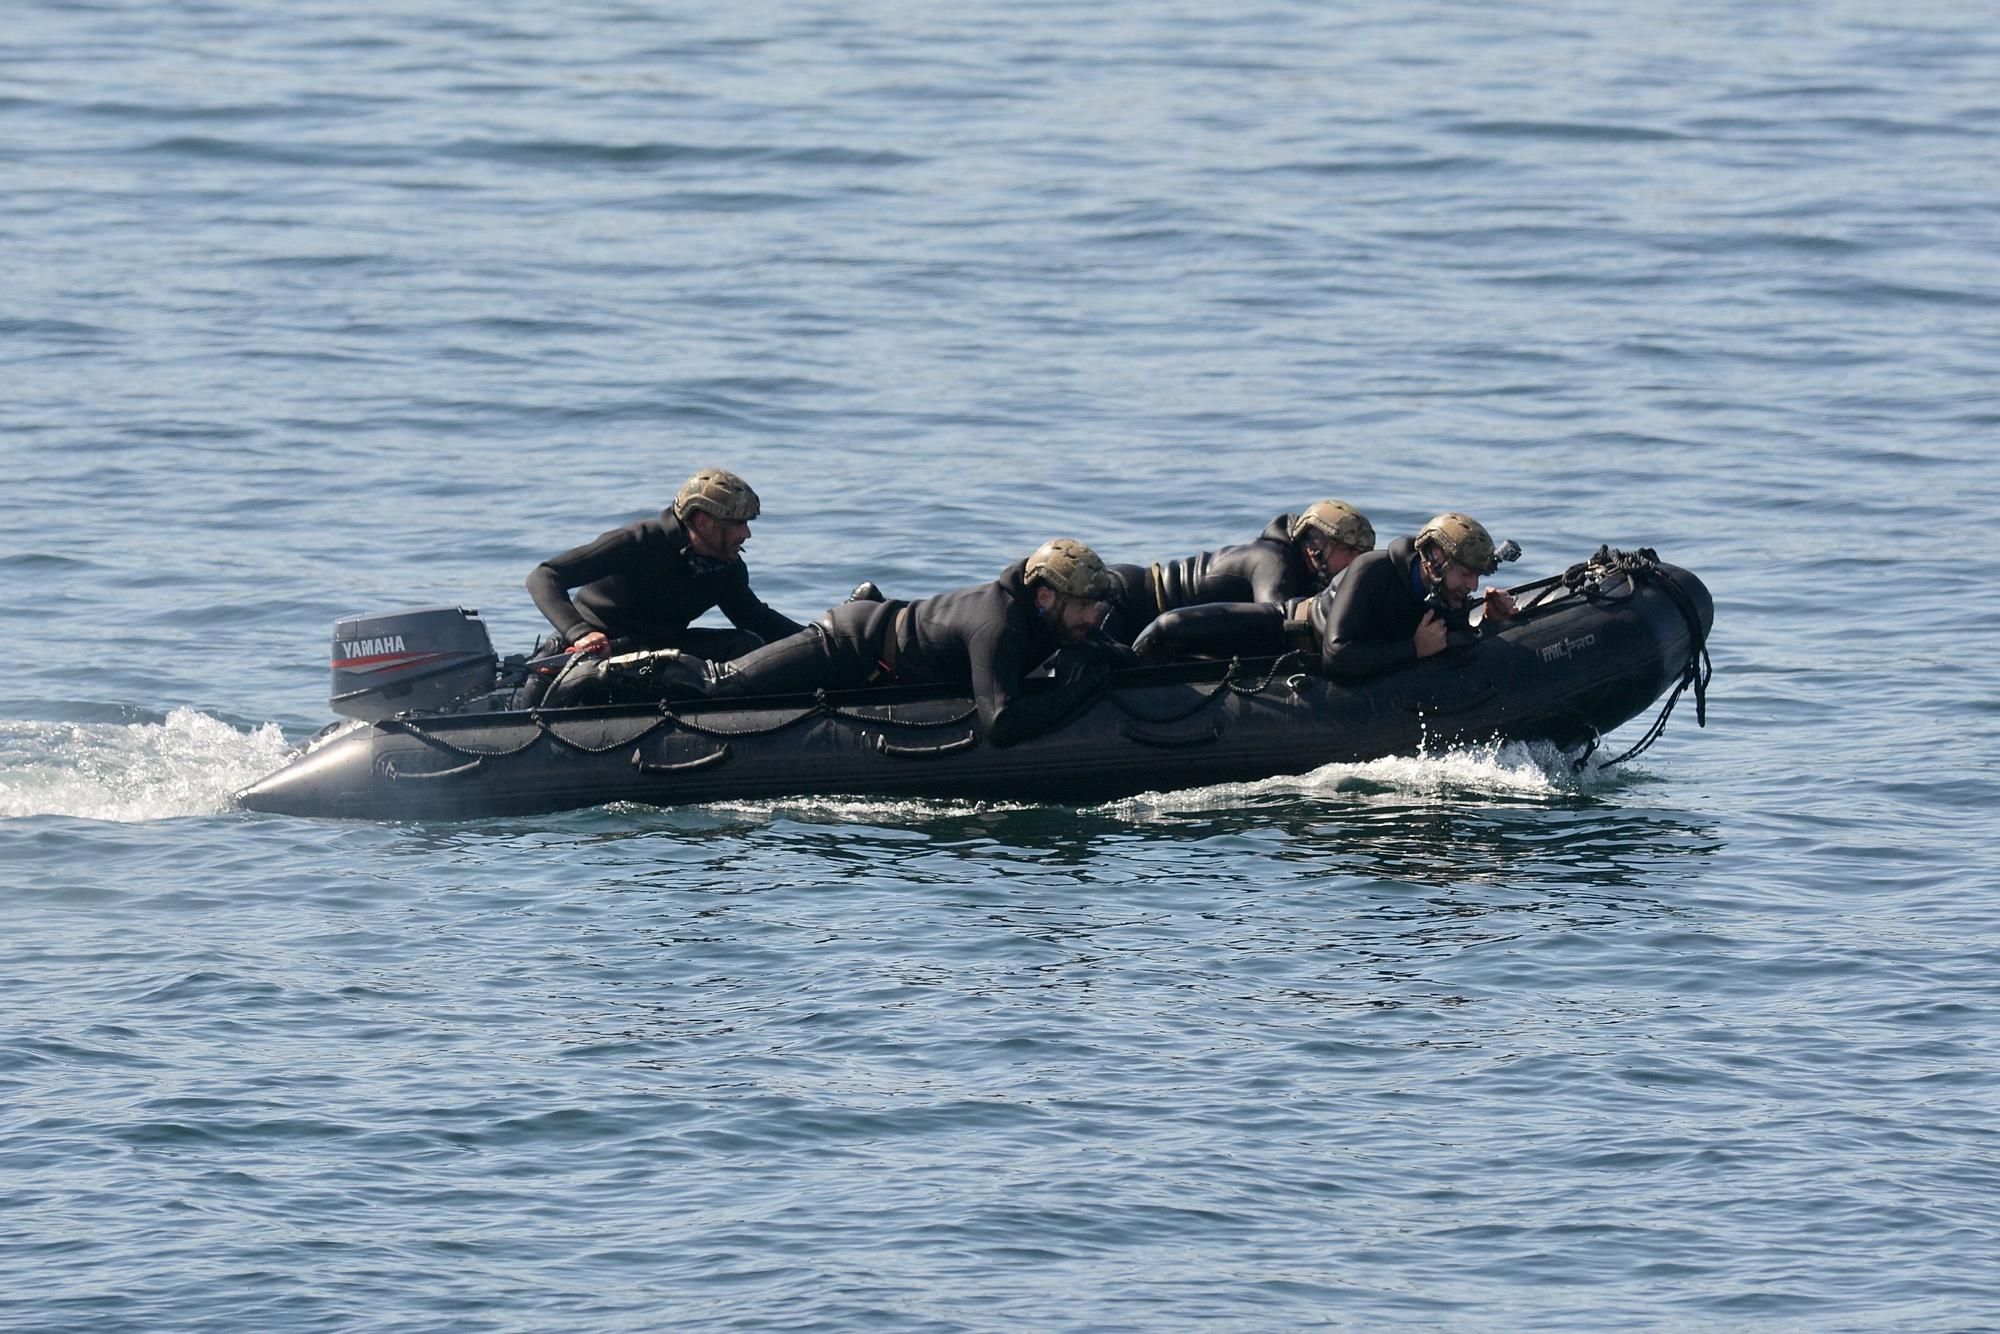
398, 661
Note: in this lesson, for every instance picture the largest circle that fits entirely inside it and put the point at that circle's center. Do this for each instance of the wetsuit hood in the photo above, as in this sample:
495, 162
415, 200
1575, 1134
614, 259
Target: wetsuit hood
1014, 580
676, 535
1042, 640
1279, 530
1279, 533
1402, 553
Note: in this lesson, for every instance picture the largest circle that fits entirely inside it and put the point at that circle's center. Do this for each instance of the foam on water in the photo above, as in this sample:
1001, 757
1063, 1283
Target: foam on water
189, 764
1512, 770
876, 811
1535, 770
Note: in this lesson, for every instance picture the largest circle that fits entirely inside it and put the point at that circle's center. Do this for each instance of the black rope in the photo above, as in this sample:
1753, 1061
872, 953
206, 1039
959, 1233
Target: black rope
668, 718
1230, 683
821, 708
410, 729
724, 733
542, 724
543, 728
1295, 657
849, 715
1201, 702
1636, 565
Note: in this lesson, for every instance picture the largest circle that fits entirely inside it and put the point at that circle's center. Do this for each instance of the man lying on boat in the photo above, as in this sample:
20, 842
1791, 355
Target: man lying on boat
1386, 608
1328, 536
643, 583
1294, 558
1412, 599
1043, 610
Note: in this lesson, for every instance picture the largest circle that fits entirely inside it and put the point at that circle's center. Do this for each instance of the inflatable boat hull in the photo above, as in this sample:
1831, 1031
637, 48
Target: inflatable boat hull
1569, 672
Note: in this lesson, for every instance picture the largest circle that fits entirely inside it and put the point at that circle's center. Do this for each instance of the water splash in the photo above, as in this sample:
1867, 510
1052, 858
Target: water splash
887, 812
1535, 771
188, 764
1513, 771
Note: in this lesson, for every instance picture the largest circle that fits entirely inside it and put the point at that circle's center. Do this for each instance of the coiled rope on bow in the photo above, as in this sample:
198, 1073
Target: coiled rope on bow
1586, 580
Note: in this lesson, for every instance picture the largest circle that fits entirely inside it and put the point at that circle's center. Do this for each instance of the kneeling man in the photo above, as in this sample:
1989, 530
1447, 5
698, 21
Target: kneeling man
642, 584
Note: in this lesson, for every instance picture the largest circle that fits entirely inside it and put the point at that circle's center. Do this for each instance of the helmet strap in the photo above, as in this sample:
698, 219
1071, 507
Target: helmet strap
1434, 561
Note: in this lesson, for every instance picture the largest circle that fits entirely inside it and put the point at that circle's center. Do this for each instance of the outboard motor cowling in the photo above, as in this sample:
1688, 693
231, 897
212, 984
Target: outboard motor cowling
397, 661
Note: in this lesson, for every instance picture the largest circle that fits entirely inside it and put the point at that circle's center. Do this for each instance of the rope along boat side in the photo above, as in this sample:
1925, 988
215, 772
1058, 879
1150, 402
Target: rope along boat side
1592, 649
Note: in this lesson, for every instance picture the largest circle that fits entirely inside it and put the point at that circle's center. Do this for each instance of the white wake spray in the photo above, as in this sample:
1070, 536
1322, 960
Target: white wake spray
189, 764
1514, 770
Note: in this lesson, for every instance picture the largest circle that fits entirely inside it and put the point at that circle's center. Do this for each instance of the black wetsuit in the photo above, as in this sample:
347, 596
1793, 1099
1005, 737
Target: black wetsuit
1270, 569
989, 636
642, 584
1225, 630
1367, 625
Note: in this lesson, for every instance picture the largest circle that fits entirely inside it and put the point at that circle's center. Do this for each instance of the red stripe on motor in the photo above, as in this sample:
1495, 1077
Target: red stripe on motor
388, 662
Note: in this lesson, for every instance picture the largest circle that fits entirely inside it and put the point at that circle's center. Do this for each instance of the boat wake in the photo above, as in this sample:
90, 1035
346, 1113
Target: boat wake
877, 812
187, 764
1513, 770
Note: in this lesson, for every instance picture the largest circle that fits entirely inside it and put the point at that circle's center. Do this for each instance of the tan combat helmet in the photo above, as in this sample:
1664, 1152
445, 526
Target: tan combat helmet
1462, 538
1070, 568
1339, 522
718, 492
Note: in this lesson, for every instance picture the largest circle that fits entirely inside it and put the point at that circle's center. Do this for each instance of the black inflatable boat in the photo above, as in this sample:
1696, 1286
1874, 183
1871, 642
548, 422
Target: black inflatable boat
435, 731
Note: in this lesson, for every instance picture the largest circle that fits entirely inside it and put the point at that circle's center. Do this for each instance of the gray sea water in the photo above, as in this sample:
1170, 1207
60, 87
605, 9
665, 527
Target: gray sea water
313, 309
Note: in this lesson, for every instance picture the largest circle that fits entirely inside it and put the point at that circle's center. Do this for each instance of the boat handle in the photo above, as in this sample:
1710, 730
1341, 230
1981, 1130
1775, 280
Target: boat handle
885, 746
1173, 740
395, 775
716, 756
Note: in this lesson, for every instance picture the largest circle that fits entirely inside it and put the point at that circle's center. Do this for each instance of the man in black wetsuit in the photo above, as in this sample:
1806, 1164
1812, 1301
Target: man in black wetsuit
642, 584
1409, 600
1327, 538
1294, 557
989, 636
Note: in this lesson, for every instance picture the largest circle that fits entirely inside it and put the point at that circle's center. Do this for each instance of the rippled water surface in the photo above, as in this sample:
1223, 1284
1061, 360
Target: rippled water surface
317, 309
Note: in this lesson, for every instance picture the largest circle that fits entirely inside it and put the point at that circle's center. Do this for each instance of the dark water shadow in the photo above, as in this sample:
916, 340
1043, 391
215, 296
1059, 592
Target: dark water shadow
1586, 843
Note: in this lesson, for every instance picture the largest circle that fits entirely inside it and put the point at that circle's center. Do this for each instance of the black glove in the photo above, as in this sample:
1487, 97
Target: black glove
1116, 655
1080, 666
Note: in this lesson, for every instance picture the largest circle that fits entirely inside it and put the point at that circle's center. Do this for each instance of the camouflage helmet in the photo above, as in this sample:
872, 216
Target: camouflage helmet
718, 492
1339, 522
1070, 568
1462, 538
